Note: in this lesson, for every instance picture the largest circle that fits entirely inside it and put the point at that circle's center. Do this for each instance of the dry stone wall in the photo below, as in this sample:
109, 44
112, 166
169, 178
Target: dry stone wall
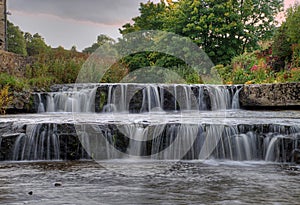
13, 64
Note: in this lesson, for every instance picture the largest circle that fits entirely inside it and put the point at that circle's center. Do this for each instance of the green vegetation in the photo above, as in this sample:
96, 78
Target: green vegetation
5, 99
16, 41
239, 36
279, 61
224, 29
101, 40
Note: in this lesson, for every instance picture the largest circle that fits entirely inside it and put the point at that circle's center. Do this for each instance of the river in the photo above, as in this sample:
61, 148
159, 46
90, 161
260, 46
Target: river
149, 182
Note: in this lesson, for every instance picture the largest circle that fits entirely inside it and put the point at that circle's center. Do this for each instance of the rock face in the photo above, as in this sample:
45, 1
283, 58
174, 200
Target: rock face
23, 102
284, 95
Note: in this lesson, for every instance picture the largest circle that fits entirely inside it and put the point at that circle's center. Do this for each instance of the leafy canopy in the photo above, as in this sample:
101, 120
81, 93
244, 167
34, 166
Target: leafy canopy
224, 29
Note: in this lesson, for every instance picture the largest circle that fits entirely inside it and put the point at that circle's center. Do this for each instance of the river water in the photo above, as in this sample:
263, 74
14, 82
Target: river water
149, 182
136, 181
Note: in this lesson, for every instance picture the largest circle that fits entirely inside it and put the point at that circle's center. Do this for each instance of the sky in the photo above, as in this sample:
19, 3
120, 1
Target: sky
74, 22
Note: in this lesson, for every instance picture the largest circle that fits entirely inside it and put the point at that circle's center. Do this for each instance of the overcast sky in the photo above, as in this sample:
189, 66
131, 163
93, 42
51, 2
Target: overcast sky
73, 22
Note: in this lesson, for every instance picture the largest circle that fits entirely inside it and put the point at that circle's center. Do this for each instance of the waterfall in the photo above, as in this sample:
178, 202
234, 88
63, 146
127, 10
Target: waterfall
152, 97
137, 136
163, 141
41, 107
71, 101
39, 143
156, 132
236, 100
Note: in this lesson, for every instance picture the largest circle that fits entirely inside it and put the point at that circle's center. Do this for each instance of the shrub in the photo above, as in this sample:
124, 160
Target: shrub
5, 99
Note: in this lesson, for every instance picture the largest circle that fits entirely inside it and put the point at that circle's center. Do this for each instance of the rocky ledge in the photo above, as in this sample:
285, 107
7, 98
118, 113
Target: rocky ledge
278, 96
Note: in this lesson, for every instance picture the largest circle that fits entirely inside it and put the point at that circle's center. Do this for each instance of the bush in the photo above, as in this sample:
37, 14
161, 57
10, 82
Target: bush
5, 99
17, 84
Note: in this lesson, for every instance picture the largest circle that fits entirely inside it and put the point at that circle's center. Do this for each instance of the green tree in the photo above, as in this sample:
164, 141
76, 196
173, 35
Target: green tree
151, 18
35, 44
293, 24
281, 46
101, 40
15, 39
224, 29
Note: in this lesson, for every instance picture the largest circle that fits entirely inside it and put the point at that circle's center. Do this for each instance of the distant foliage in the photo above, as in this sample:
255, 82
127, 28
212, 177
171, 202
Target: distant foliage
35, 44
101, 40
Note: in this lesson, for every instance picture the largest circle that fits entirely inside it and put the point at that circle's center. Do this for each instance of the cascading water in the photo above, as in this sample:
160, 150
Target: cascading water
40, 142
69, 101
154, 97
161, 141
209, 126
41, 107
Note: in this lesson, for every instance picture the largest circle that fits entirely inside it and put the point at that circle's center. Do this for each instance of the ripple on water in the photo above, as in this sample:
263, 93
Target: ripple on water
148, 182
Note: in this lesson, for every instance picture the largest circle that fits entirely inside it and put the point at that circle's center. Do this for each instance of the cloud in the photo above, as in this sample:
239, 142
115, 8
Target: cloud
96, 11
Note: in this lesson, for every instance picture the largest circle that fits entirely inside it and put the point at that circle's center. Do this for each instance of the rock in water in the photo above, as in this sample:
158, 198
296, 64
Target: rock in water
57, 184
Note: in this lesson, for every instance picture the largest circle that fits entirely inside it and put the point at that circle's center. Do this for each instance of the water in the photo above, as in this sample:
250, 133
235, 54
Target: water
235, 135
139, 98
149, 182
153, 144
40, 142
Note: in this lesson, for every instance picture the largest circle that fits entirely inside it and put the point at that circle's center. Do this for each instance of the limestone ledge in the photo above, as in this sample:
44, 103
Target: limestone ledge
281, 95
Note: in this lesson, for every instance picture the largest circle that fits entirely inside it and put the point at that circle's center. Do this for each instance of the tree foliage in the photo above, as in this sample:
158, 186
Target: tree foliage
282, 47
293, 24
101, 40
224, 29
35, 44
286, 40
151, 18
15, 40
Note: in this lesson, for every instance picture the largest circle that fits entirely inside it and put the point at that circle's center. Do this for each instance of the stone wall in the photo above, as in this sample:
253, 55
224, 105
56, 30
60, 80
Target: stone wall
283, 95
2, 24
13, 64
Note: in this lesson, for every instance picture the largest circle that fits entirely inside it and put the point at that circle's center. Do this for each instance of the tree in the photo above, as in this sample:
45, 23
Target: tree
35, 44
15, 40
293, 24
224, 29
151, 18
281, 46
101, 40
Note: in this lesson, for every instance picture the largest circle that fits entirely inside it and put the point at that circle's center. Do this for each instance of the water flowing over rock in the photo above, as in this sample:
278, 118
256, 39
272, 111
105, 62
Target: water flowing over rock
136, 98
170, 140
148, 121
